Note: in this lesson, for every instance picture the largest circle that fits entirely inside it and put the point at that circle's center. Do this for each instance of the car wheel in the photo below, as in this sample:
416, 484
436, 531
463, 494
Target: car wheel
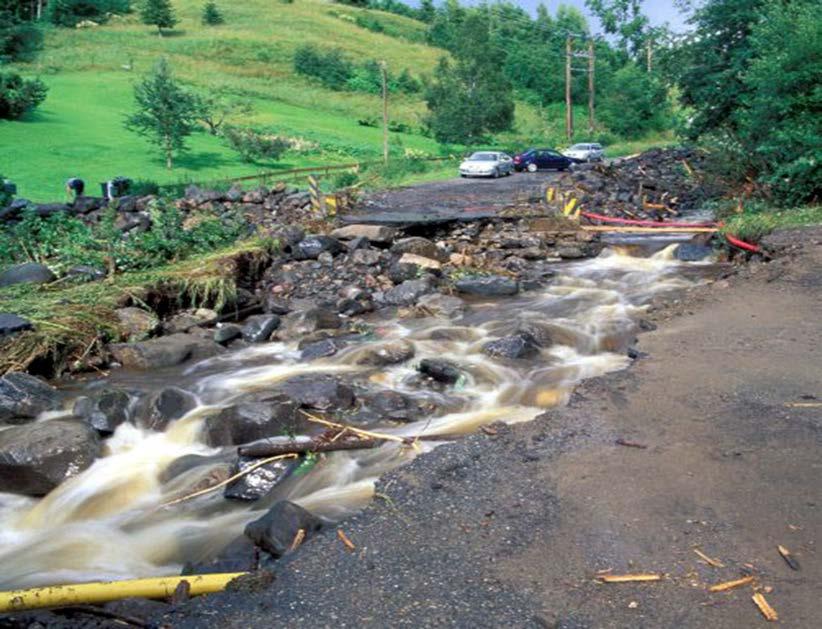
532, 167
495, 175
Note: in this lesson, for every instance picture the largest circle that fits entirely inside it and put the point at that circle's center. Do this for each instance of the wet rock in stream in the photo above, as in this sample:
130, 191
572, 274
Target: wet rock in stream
488, 286
440, 370
322, 392
407, 293
259, 328
105, 411
24, 397
165, 351
36, 458
320, 349
169, 405
385, 354
250, 421
521, 345
226, 333
259, 482
276, 530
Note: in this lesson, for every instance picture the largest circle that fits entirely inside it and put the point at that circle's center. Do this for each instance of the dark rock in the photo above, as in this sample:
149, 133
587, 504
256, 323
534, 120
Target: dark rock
258, 329
407, 293
240, 555
385, 354
188, 319
11, 324
36, 458
165, 351
488, 286
312, 246
250, 421
309, 321
319, 391
357, 243
321, 349
84, 205
539, 333
276, 305
570, 252
366, 257
354, 307
259, 482
104, 411
28, 272
442, 305
276, 530
186, 463
290, 235
169, 405
521, 345
226, 333
24, 397
421, 247
440, 370
86, 273
691, 252
392, 405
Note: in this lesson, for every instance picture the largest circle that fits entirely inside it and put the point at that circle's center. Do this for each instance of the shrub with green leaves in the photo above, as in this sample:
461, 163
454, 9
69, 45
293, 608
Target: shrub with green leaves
19, 95
252, 145
71, 12
212, 16
330, 67
19, 40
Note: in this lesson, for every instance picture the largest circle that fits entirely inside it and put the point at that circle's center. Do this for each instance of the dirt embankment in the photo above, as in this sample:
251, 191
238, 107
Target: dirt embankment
511, 528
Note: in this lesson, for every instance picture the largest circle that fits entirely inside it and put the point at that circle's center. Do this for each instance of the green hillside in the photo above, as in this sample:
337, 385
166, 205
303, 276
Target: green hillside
90, 72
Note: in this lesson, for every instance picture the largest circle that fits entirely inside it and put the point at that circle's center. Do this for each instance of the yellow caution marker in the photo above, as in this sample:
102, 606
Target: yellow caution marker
570, 204
551, 194
106, 591
331, 204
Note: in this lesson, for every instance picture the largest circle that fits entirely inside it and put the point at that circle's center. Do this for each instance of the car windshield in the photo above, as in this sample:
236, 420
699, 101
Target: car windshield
483, 157
579, 147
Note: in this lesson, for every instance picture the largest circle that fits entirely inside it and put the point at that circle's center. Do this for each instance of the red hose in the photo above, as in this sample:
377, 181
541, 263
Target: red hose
732, 240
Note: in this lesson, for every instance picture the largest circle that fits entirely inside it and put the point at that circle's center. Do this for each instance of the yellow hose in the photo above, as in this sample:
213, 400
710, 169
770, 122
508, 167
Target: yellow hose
105, 591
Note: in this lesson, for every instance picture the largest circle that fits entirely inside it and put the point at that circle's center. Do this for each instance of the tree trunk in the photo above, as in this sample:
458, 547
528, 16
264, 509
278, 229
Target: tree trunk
169, 152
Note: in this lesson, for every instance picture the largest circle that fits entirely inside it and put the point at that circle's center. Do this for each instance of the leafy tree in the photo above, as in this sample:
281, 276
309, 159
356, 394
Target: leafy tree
70, 12
158, 13
636, 103
470, 97
19, 95
19, 40
427, 11
623, 18
331, 67
253, 145
215, 108
212, 16
166, 112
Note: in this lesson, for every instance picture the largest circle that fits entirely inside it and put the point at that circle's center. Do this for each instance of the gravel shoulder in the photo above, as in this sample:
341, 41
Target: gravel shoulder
510, 528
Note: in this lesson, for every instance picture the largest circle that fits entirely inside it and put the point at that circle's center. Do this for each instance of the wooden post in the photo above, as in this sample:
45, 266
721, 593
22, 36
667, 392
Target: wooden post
384, 72
591, 121
569, 111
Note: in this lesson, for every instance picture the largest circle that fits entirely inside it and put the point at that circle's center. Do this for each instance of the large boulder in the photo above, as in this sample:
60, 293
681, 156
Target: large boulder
320, 349
389, 404
258, 329
260, 481
311, 247
301, 323
167, 406
520, 345
276, 530
27, 273
36, 458
104, 411
137, 323
420, 247
250, 421
165, 351
377, 234
442, 305
12, 323
319, 391
407, 293
488, 286
24, 397
440, 370
227, 332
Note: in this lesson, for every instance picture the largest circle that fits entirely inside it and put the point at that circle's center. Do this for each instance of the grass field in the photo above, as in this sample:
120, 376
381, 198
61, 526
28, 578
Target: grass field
79, 130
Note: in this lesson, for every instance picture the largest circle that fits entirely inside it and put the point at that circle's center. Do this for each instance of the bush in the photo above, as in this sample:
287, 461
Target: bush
636, 103
19, 40
330, 67
212, 16
144, 187
252, 145
19, 95
70, 12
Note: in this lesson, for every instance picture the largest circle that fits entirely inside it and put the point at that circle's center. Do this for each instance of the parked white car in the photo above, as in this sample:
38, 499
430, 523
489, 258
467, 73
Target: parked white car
585, 152
487, 164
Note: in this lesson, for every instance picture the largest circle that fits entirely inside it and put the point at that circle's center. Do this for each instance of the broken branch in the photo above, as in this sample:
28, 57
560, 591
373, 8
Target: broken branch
788, 557
767, 611
711, 562
628, 578
303, 447
730, 585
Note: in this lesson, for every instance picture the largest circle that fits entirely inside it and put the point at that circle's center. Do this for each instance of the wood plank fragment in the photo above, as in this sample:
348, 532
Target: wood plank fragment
730, 585
628, 578
708, 560
788, 557
767, 611
349, 545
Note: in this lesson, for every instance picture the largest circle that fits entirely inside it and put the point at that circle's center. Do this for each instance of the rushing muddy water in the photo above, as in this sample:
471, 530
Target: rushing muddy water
110, 521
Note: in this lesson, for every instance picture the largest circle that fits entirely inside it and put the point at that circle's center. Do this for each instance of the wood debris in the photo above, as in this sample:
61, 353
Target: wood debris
767, 611
788, 557
730, 585
349, 545
630, 444
298, 540
804, 404
708, 560
629, 578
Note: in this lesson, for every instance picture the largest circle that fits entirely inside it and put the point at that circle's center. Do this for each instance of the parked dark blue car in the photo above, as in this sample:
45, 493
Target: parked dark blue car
538, 159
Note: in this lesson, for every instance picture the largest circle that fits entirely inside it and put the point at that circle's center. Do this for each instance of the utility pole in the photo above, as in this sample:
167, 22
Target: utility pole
591, 121
569, 111
649, 54
384, 73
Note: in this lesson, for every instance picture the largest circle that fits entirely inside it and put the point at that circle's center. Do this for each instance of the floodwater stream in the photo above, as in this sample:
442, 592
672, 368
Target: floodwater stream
111, 521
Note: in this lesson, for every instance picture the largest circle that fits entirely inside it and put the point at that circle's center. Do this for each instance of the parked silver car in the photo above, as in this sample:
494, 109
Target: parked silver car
487, 164
585, 152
